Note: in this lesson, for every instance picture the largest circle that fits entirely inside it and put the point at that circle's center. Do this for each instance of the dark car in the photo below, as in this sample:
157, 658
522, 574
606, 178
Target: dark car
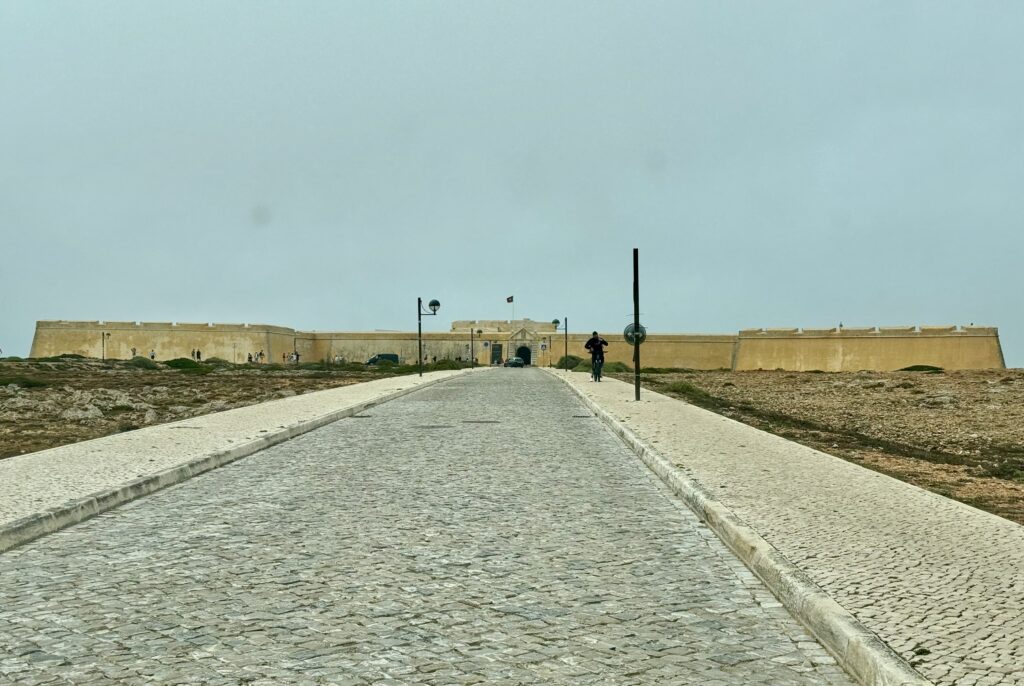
515, 362
383, 357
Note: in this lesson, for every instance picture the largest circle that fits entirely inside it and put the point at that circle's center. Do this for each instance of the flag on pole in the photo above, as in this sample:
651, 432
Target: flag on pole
508, 299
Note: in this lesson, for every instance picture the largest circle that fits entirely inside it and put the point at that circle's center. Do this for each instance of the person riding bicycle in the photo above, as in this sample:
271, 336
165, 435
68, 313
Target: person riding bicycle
596, 346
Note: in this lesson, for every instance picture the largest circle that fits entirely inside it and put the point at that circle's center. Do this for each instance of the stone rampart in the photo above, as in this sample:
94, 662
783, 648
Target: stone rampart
689, 351
872, 348
167, 340
847, 349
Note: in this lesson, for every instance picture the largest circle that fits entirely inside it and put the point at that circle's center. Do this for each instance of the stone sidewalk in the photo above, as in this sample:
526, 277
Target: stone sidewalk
50, 489
942, 583
487, 529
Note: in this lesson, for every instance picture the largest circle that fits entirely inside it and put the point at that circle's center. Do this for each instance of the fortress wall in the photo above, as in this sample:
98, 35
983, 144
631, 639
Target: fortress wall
884, 349
233, 342
359, 347
881, 349
689, 351
168, 339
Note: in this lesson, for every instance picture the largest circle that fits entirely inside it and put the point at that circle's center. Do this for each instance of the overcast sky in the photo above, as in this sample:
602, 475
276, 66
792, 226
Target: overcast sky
321, 164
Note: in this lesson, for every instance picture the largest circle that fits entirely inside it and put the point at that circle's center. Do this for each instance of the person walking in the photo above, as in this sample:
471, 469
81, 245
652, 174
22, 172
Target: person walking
193, 354
152, 354
596, 345
199, 355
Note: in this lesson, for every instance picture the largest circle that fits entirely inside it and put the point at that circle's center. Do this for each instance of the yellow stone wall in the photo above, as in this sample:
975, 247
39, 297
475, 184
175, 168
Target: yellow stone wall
168, 340
883, 349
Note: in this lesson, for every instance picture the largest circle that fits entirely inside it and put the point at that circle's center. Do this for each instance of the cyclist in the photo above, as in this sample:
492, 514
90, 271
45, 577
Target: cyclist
596, 346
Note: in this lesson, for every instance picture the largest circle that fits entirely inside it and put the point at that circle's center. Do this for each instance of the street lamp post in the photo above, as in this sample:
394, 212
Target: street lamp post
103, 344
434, 307
472, 349
566, 326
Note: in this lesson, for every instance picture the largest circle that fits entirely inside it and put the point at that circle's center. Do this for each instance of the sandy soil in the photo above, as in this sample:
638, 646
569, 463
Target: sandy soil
960, 434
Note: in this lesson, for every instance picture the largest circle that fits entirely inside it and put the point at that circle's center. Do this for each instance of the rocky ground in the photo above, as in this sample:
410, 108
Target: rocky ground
52, 402
960, 434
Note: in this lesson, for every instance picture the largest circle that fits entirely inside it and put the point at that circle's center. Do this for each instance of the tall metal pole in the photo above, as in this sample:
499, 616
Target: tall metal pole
472, 355
419, 332
636, 320
566, 344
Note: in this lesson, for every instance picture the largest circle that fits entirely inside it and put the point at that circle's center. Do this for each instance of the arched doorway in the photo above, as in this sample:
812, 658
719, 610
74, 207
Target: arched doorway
523, 352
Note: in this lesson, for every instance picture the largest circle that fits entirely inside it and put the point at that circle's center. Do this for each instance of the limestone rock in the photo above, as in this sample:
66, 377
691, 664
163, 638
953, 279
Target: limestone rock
80, 412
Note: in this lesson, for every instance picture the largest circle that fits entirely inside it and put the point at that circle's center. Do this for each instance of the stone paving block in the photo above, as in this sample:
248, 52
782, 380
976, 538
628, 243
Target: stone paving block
48, 490
535, 550
937, 580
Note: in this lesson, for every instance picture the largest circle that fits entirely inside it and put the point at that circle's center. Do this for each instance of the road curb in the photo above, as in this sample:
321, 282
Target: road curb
33, 526
858, 650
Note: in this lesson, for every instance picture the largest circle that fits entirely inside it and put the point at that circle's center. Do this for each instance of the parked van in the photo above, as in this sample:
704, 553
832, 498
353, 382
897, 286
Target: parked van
383, 357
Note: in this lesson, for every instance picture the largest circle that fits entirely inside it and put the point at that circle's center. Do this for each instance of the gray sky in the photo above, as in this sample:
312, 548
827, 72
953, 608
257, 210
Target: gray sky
321, 164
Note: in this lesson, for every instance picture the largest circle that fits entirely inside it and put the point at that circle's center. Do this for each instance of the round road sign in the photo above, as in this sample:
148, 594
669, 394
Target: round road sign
634, 337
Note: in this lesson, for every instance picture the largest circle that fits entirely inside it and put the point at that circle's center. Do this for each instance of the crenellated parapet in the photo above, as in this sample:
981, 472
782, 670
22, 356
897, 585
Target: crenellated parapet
69, 325
852, 332
500, 325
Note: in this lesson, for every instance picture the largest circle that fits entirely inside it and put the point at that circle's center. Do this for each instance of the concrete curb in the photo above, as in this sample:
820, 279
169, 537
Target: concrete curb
72, 512
858, 650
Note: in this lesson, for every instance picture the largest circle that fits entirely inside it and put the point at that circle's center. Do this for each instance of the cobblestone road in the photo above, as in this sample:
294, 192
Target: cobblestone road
480, 530
940, 582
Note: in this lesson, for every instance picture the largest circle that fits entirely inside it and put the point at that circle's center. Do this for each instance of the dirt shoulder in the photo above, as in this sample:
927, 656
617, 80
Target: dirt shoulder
960, 434
56, 401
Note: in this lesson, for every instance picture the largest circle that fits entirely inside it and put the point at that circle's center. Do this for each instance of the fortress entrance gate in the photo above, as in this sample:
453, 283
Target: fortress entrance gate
525, 353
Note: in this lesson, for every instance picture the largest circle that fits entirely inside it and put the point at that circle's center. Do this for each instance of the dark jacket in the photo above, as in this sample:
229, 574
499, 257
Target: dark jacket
596, 346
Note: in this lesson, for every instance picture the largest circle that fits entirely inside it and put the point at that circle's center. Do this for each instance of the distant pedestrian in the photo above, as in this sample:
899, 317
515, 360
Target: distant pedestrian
296, 357
134, 352
259, 358
199, 355
284, 357
596, 346
152, 354
193, 354
249, 358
